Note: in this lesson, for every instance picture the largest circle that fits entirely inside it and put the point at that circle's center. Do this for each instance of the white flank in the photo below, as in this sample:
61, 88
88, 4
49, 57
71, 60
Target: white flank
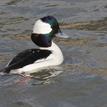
41, 27
55, 58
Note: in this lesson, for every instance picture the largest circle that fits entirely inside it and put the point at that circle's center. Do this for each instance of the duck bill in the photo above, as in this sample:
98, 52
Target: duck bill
62, 35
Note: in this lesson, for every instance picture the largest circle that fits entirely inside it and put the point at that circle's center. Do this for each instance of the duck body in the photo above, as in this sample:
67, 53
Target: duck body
48, 53
33, 60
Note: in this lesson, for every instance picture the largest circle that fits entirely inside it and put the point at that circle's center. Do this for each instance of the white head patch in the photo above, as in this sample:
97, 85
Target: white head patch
41, 27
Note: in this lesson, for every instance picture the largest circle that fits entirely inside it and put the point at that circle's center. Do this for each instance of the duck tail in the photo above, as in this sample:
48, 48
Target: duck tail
4, 70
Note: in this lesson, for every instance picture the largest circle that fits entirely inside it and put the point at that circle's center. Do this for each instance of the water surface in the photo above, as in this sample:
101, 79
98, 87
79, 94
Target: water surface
81, 80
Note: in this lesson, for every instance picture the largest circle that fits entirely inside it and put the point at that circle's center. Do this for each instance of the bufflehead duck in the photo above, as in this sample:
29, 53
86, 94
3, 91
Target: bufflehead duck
48, 53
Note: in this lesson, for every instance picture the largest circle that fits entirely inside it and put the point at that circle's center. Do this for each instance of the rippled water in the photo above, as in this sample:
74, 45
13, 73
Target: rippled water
81, 81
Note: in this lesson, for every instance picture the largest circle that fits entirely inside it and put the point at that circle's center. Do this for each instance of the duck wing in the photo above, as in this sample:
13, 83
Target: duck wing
26, 57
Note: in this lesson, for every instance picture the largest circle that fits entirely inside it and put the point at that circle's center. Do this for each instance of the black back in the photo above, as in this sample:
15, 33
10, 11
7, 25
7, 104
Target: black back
26, 57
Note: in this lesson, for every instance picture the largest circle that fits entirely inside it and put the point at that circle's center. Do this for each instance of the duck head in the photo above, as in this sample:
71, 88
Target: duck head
44, 30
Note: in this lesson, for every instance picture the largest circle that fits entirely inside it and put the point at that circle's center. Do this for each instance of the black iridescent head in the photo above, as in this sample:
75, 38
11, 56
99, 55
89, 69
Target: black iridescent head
53, 22
44, 31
